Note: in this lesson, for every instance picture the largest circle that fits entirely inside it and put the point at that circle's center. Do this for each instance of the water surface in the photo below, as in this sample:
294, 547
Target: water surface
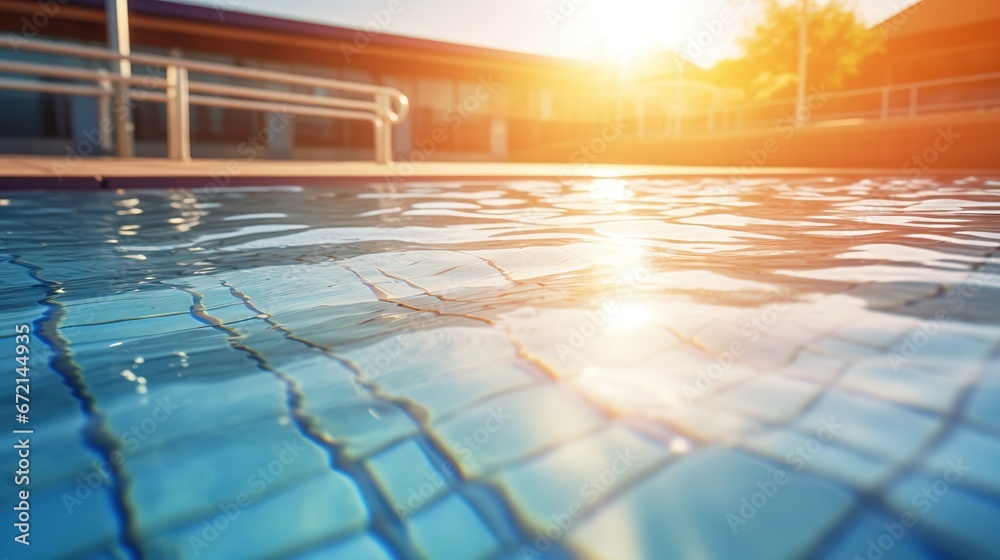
682, 368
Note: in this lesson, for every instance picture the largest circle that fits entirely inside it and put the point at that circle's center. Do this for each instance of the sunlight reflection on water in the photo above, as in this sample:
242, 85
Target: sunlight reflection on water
494, 348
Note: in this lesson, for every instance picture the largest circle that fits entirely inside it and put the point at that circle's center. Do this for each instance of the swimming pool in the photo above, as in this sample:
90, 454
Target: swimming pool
652, 368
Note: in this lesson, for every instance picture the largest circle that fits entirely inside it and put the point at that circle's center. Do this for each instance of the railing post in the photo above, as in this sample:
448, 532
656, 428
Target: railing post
640, 111
104, 121
381, 156
178, 114
383, 129
118, 40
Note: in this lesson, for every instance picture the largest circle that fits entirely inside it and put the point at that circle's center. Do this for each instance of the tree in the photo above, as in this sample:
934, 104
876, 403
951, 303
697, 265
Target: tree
838, 43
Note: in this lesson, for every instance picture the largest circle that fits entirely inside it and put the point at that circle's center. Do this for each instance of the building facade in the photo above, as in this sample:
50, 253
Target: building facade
467, 103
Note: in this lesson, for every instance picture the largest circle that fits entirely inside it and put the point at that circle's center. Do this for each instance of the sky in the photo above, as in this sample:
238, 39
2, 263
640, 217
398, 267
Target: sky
703, 30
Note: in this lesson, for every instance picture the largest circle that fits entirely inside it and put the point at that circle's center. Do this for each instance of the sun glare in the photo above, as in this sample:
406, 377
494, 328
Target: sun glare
630, 316
631, 26
610, 190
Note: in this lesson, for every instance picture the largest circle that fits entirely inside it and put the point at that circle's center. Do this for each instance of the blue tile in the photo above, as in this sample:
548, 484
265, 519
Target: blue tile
675, 514
451, 530
870, 536
958, 520
873, 426
362, 546
325, 507
513, 426
979, 451
408, 478
575, 478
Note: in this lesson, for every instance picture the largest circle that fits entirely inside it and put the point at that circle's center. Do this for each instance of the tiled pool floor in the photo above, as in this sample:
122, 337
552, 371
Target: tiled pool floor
794, 368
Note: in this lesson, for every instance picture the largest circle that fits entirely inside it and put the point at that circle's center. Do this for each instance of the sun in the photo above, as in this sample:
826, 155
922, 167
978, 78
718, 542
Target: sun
632, 26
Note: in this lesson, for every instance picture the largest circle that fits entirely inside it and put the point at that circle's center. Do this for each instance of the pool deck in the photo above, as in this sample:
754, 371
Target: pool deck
106, 172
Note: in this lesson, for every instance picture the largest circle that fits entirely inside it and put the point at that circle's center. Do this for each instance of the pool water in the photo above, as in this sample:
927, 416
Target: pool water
670, 368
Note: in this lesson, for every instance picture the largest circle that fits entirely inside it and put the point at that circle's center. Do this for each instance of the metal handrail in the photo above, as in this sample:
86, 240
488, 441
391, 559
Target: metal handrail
740, 117
388, 105
884, 109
